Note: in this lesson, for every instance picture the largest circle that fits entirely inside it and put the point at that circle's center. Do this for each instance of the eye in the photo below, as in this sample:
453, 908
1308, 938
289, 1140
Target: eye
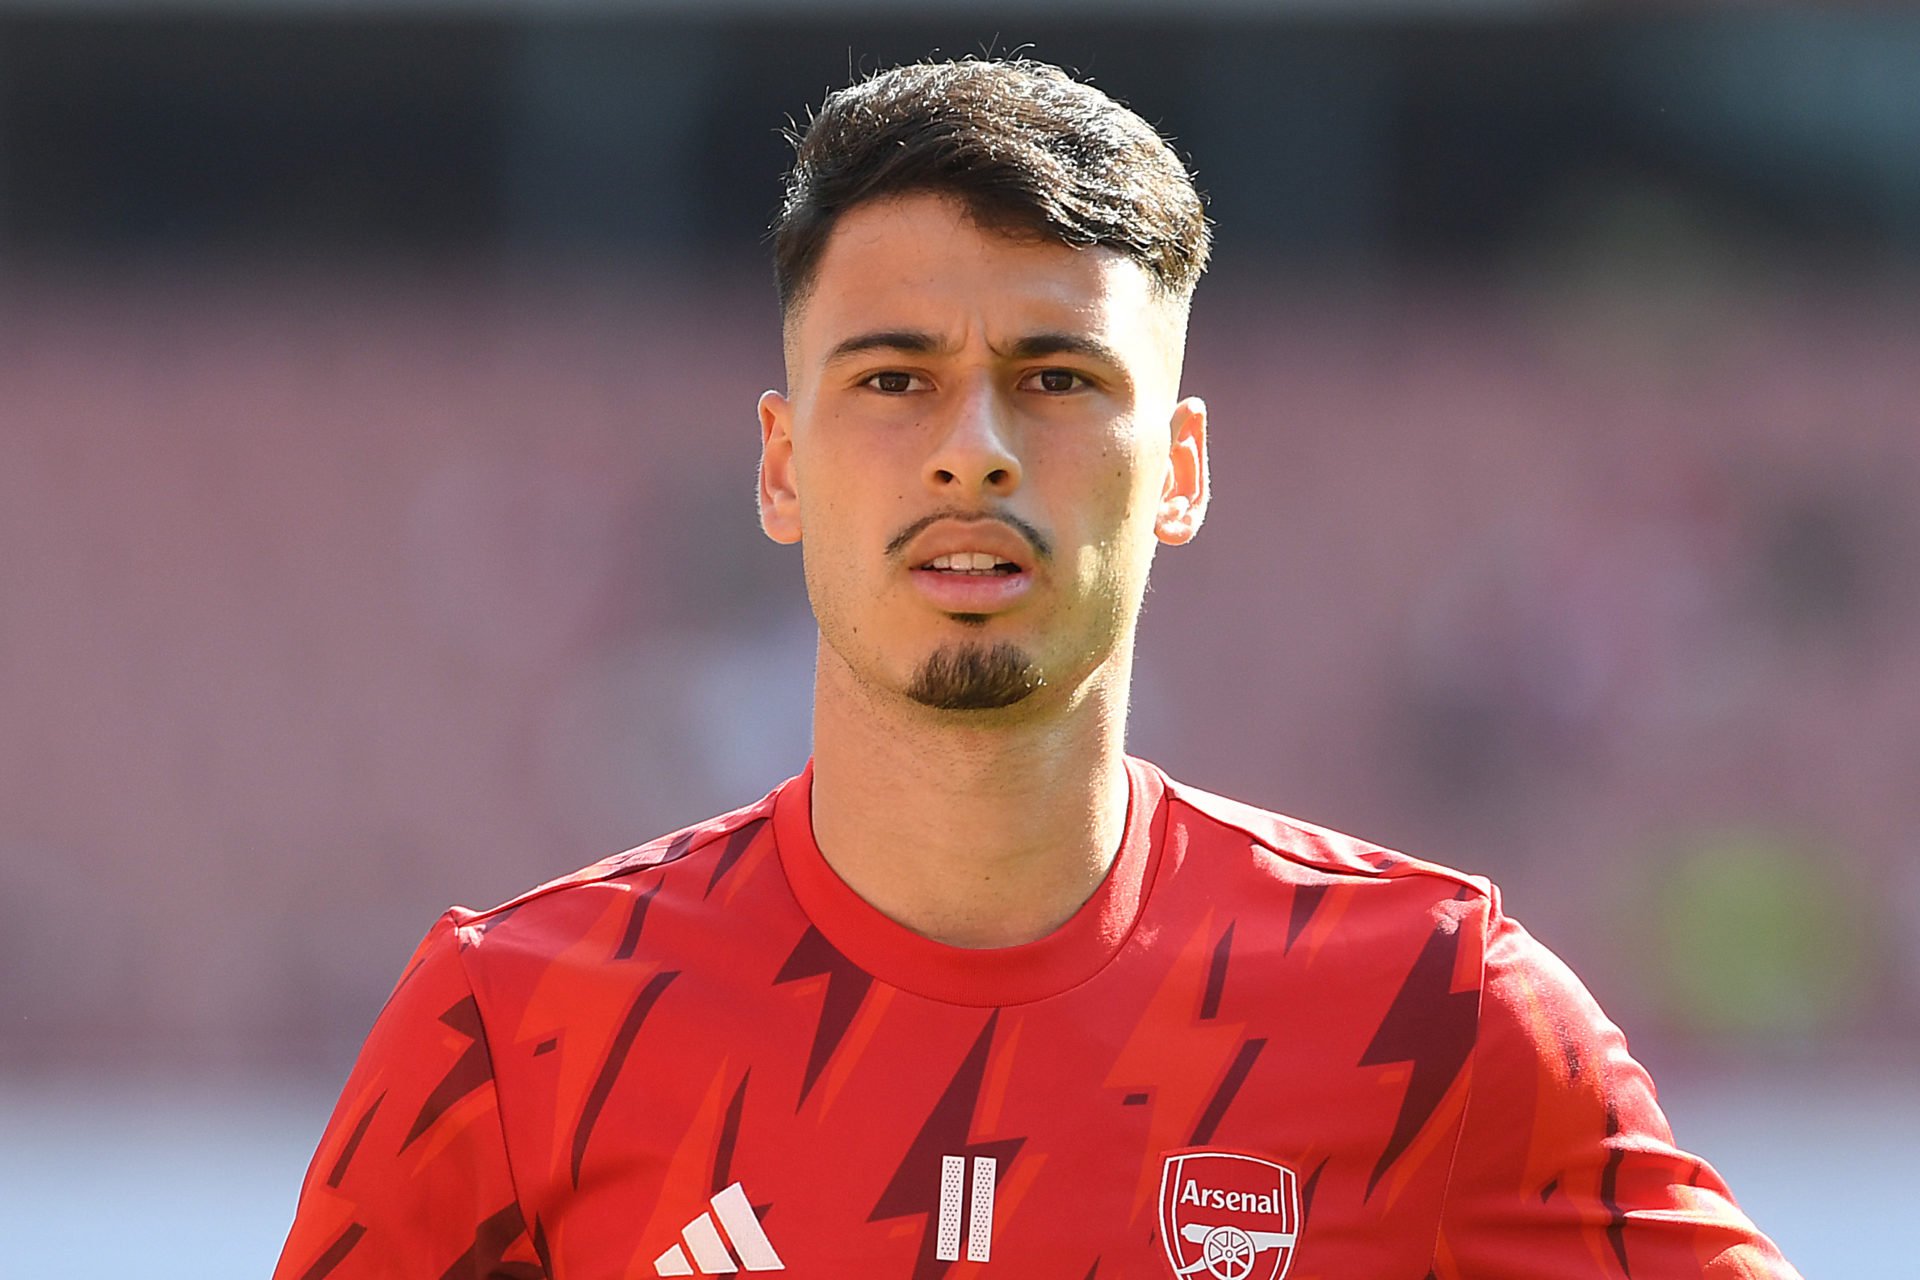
891, 382
1056, 381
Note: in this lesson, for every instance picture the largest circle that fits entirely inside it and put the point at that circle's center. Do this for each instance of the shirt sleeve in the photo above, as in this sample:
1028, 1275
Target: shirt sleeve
411, 1176
1566, 1166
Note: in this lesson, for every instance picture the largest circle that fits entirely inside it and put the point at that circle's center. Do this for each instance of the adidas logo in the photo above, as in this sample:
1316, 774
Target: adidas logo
711, 1256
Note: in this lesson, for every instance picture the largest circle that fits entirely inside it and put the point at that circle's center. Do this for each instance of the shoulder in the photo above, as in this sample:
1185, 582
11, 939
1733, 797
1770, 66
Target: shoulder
549, 915
1294, 848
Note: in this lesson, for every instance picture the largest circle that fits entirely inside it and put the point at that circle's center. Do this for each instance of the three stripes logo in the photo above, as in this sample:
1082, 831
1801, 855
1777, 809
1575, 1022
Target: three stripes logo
953, 1202
966, 1195
711, 1257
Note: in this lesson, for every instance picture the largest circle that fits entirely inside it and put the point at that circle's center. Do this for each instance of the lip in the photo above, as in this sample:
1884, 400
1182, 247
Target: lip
950, 537
971, 593
952, 592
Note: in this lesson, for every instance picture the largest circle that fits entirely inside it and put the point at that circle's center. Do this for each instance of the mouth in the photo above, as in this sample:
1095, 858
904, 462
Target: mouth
971, 564
971, 568
971, 586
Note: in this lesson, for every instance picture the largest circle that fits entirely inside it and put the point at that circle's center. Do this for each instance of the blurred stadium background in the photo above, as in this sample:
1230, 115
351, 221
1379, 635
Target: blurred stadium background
376, 448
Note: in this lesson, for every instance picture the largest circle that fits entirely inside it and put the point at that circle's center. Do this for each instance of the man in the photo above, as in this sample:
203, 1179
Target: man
976, 993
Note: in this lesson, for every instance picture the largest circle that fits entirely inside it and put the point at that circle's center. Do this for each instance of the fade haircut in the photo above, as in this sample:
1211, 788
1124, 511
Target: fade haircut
1027, 149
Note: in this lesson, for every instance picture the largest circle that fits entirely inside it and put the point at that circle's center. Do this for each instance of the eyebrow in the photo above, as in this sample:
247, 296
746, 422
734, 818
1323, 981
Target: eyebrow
916, 341
1031, 347
1037, 345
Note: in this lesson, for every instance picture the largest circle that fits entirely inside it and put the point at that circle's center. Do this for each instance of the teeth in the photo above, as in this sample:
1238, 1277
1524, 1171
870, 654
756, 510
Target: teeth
967, 562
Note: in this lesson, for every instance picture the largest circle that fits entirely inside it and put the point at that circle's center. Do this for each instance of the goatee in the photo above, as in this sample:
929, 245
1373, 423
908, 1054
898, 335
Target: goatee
975, 678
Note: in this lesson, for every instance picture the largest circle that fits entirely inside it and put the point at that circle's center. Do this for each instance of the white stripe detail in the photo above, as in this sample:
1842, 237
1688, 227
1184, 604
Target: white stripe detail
709, 1254
980, 1219
743, 1228
953, 1181
672, 1263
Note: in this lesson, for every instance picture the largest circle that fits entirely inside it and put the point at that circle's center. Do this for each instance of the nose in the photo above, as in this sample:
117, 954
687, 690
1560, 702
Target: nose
975, 454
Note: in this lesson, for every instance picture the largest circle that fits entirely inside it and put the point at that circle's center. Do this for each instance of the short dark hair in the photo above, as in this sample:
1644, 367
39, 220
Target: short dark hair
1024, 146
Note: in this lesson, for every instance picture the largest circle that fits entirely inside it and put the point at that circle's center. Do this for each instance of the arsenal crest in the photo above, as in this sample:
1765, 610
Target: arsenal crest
1228, 1216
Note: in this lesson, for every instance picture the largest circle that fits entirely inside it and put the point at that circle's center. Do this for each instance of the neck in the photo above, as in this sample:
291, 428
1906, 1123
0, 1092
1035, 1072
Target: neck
977, 829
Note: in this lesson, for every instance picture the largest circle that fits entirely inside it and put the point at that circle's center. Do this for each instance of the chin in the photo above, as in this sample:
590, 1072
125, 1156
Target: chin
975, 677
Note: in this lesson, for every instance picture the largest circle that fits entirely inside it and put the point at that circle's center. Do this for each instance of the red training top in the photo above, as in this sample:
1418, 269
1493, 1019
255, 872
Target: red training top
1261, 1049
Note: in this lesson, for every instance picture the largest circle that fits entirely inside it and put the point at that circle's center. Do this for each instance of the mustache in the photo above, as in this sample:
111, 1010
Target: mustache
1042, 548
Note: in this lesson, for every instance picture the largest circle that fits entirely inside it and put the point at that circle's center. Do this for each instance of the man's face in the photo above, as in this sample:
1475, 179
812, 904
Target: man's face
979, 450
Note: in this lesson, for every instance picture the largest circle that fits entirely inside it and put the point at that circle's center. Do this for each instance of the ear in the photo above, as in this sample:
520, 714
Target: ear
1183, 498
779, 493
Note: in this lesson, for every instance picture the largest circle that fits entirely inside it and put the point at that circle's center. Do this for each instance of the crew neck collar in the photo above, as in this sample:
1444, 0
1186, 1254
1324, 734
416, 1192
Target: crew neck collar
983, 977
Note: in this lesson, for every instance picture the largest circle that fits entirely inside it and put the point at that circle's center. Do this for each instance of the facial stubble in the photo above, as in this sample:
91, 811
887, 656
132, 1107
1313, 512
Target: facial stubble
975, 677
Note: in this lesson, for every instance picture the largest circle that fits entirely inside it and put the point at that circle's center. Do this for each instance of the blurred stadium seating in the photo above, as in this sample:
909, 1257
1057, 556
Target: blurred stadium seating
375, 466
